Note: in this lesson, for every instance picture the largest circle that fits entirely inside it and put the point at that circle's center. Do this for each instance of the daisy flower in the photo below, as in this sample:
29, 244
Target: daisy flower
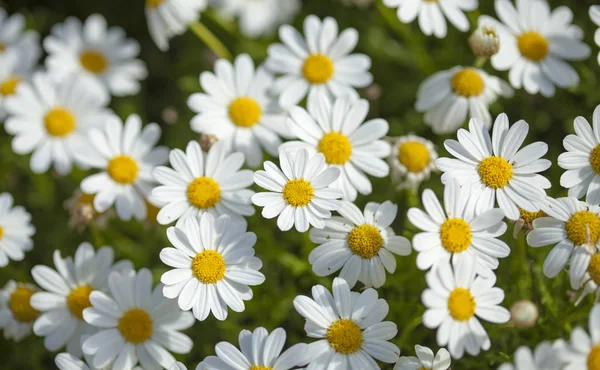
52, 120
361, 244
16, 231
582, 160
454, 232
14, 69
525, 221
412, 160
583, 350
431, 14
448, 97
338, 130
16, 314
543, 358
300, 193
202, 183
590, 281
66, 361
455, 302
425, 360
236, 107
260, 17
15, 40
136, 324
95, 50
259, 350
595, 15
126, 155
67, 294
484, 41
318, 63
169, 18
534, 44
496, 168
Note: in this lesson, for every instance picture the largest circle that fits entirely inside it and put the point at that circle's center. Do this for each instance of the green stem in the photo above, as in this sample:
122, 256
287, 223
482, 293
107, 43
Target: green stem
480, 62
98, 240
408, 329
525, 273
207, 37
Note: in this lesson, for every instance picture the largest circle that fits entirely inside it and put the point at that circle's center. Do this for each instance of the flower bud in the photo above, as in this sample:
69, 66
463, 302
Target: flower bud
524, 314
485, 41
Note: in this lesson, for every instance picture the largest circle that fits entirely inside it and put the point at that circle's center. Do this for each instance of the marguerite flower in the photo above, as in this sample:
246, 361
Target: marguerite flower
525, 221
202, 183
16, 314
496, 168
455, 301
136, 324
16, 231
67, 294
300, 193
260, 17
169, 18
52, 120
14, 39
236, 107
338, 131
448, 97
361, 244
349, 328
544, 358
595, 15
412, 160
93, 49
583, 350
319, 63
534, 44
425, 360
126, 155
14, 69
66, 361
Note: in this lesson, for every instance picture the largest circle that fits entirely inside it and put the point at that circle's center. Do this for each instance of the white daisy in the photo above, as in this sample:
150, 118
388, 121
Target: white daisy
349, 326
455, 302
534, 44
178, 366
66, 361
454, 232
14, 39
202, 183
583, 350
412, 160
260, 17
425, 360
136, 324
16, 231
126, 155
14, 69
448, 97
431, 14
338, 131
484, 41
361, 245
318, 63
582, 160
595, 15
52, 119
16, 314
496, 168
544, 358
300, 193
236, 107
525, 221
259, 350
169, 18
67, 292
590, 281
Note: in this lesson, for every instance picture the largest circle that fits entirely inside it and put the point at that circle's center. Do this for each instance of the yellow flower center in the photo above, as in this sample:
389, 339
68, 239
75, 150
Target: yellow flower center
495, 172
135, 325
203, 192
414, 156
318, 68
583, 228
345, 336
2, 47
298, 193
426, 368
244, 112
528, 217
20, 306
9, 86
593, 360
59, 122
123, 169
208, 266
154, 3
595, 159
94, 61
455, 235
1, 232
533, 46
365, 241
259, 367
467, 83
594, 268
461, 304
78, 300
335, 147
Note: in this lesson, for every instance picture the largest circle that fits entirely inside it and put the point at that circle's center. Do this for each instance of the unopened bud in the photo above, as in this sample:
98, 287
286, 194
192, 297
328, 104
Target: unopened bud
207, 141
485, 41
170, 115
524, 314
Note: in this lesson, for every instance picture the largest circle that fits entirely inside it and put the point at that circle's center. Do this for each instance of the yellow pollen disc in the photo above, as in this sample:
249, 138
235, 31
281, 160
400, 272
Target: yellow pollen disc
345, 336
461, 304
9, 86
298, 193
259, 367
208, 266
583, 228
533, 46
318, 68
594, 268
495, 172
59, 122
20, 306
595, 159
154, 3
203, 192
414, 156
78, 300
455, 235
467, 83
335, 147
1, 232
123, 169
94, 61
424, 368
365, 241
244, 112
593, 360
135, 325
528, 217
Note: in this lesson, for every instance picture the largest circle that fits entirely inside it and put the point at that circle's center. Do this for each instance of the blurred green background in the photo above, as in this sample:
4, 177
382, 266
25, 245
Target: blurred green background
402, 58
